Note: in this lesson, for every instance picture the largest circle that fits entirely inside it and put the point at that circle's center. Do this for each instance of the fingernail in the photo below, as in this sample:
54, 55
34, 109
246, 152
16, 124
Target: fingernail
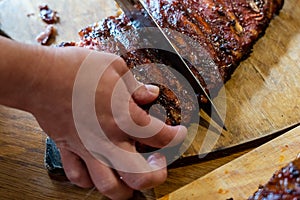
153, 89
157, 161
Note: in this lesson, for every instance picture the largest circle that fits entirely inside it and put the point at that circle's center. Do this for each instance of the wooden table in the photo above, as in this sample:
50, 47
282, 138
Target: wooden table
22, 142
23, 176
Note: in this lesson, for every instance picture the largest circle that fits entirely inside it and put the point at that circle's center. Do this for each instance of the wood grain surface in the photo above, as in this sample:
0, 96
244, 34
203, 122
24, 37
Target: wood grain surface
22, 172
21, 20
240, 178
23, 175
261, 98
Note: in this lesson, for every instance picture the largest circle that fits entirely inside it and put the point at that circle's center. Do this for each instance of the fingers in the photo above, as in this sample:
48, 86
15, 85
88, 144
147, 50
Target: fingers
75, 169
141, 93
107, 181
139, 124
151, 131
154, 133
168, 136
94, 173
135, 171
145, 94
156, 174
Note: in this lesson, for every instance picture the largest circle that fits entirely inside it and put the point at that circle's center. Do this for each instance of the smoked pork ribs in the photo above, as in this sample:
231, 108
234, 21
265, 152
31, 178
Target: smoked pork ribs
284, 185
226, 29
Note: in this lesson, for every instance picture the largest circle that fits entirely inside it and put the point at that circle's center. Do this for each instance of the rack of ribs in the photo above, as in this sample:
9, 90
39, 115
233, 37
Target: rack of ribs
284, 185
226, 29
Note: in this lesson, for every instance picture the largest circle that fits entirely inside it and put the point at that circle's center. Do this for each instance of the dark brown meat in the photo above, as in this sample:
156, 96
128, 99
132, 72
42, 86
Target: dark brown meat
225, 29
284, 185
48, 15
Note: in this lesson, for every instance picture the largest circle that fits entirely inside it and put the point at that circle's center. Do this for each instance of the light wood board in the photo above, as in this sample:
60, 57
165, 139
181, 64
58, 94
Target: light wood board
261, 98
240, 178
74, 15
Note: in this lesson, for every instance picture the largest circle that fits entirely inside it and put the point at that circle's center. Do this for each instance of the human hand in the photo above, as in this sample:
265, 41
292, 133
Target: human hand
64, 100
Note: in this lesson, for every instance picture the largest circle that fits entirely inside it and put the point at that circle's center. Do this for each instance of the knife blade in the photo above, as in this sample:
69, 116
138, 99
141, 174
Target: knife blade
145, 19
2, 33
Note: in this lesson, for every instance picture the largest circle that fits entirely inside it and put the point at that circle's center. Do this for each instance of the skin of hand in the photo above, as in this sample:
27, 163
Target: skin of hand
41, 80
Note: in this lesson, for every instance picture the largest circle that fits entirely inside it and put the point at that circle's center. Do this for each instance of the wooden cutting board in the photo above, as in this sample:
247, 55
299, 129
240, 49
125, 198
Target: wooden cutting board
21, 20
262, 97
241, 177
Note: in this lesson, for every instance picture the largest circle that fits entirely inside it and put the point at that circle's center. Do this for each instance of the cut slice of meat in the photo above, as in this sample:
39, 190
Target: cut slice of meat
284, 185
48, 15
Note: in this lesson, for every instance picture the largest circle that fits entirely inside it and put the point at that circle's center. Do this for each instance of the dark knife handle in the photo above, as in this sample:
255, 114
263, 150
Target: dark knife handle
53, 161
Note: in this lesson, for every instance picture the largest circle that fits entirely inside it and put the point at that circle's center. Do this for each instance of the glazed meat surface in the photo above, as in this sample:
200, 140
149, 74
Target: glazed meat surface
284, 185
225, 29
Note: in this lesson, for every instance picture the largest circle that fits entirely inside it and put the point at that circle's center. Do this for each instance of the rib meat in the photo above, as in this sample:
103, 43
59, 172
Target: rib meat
284, 185
226, 29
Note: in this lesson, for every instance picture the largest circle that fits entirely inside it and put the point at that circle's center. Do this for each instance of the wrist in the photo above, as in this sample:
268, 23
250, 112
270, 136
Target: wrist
19, 69
52, 84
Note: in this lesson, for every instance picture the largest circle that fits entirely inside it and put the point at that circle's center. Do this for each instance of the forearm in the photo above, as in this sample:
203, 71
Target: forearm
19, 66
41, 80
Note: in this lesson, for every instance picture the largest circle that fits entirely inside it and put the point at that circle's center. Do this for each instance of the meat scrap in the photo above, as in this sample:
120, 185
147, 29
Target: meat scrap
45, 36
30, 14
48, 15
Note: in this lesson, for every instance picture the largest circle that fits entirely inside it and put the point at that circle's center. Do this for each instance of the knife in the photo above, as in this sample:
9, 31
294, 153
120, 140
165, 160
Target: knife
145, 19
2, 33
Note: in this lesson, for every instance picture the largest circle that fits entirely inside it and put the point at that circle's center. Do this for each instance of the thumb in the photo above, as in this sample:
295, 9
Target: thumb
145, 94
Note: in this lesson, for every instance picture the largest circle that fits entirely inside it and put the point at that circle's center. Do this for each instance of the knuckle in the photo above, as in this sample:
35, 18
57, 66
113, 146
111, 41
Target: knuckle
140, 91
143, 182
165, 141
107, 187
140, 117
121, 65
75, 177
62, 144
138, 94
169, 137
